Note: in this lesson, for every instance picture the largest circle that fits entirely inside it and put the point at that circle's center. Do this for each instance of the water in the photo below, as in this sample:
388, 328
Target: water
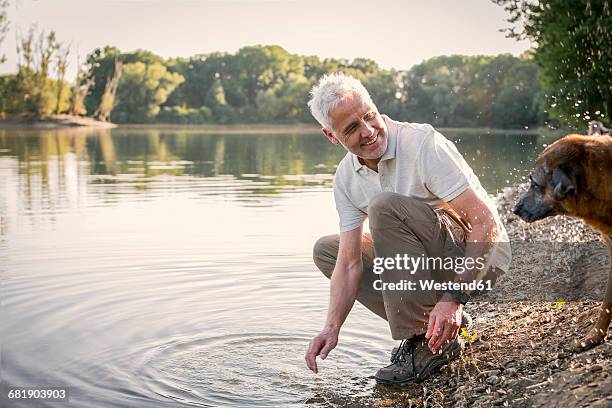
173, 268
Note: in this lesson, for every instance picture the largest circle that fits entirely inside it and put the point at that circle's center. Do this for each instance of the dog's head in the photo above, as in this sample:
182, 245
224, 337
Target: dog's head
554, 181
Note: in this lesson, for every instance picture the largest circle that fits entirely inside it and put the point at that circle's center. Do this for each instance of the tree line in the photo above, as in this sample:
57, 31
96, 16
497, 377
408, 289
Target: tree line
566, 78
267, 84
572, 40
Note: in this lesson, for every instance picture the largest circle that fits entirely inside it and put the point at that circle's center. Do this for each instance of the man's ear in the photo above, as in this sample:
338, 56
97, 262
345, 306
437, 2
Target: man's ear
330, 136
564, 184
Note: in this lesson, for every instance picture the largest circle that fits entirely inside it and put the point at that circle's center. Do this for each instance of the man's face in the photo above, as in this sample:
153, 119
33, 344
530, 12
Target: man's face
358, 126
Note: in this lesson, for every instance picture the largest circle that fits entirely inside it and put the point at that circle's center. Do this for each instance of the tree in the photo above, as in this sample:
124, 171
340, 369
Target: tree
215, 100
79, 92
385, 88
142, 89
459, 90
9, 94
572, 47
61, 65
107, 100
35, 56
4, 24
200, 73
518, 103
100, 67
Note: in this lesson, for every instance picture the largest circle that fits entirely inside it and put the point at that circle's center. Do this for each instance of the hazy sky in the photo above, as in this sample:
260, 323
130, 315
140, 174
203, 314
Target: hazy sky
395, 33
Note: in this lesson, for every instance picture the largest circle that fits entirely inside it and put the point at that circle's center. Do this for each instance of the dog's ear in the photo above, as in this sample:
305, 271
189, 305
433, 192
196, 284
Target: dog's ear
564, 184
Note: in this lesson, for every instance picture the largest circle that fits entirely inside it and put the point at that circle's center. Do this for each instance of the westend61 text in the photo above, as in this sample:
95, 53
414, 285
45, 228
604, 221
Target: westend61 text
412, 264
428, 285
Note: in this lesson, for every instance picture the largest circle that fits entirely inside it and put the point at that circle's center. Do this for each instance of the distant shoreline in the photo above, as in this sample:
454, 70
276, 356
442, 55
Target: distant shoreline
80, 122
243, 128
52, 122
301, 128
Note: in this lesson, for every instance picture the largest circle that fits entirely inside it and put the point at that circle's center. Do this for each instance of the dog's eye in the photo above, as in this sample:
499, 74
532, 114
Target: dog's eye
533, 182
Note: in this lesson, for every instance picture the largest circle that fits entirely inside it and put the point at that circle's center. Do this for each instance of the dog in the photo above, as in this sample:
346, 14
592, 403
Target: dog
572, 177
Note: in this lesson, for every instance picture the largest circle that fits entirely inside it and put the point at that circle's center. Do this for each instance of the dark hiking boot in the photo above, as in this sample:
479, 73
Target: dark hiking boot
466, 323
413, 361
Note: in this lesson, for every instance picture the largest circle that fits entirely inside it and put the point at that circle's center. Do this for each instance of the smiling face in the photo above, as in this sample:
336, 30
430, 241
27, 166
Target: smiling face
357, 125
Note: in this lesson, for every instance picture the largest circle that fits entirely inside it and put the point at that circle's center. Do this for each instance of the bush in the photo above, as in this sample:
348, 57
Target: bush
184, 115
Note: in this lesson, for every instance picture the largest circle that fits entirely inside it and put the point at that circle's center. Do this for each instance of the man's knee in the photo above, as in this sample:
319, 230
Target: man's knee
325, 253
392, 207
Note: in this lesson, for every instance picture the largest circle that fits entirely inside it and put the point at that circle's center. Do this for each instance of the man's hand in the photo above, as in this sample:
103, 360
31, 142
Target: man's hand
321, 345
444, 323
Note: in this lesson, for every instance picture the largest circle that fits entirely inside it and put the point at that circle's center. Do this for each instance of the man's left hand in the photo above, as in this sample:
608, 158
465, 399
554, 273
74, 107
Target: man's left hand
444, 323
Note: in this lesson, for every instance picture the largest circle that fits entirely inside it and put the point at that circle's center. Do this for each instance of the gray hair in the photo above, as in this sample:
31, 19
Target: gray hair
329, 91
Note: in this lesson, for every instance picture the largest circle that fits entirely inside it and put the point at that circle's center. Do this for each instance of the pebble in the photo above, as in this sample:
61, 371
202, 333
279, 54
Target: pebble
489, 373
510, 372
492, 379
480, 389
596, 367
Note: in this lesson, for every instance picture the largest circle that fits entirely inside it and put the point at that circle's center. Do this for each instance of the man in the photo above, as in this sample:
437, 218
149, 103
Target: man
423, 201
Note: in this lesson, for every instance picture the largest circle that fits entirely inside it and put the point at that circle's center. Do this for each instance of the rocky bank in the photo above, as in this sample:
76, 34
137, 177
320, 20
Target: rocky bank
519, 351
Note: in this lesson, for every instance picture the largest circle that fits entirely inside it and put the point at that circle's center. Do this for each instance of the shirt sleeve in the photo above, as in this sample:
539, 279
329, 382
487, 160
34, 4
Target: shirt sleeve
350, 216
444, 170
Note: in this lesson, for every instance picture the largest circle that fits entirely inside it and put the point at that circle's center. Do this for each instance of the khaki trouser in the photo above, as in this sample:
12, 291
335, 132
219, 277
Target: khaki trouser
401, 225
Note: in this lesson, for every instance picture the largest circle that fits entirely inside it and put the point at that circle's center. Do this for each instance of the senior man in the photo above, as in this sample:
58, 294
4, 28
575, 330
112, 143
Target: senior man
423, 202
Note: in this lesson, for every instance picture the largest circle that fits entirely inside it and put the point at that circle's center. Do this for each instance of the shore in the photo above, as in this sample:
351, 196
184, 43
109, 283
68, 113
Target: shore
53, 122
73, 121
520, 353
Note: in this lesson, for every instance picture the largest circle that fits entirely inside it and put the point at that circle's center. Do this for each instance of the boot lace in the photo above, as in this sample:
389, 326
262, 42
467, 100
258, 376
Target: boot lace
405, 348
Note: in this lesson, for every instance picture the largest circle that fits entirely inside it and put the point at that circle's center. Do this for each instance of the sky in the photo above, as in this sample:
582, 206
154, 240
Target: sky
394, 33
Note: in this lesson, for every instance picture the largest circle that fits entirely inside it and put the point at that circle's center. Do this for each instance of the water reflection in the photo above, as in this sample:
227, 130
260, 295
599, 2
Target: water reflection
497, 159
171, 268
52, 170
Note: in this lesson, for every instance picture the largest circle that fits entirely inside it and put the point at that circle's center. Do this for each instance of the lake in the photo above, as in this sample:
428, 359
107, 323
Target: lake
150, 267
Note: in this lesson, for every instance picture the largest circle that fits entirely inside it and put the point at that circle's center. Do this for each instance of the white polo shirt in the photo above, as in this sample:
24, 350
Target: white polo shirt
419, 162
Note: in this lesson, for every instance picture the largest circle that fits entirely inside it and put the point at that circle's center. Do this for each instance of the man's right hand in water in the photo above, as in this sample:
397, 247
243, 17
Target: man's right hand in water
321, 345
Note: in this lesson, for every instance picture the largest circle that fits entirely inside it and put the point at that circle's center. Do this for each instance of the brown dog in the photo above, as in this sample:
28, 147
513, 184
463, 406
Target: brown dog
573, 177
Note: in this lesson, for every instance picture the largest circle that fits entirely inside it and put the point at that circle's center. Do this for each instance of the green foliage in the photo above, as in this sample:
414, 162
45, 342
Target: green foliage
12, 98
61, 66
221, 111
572, 46
267, 84
184, 115
108, 98
142, 89
100, 68
9, 94
458, 91
4, 23
32, 90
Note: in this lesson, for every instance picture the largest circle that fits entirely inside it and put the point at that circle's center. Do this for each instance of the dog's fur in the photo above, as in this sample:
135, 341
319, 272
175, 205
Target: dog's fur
573, 177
